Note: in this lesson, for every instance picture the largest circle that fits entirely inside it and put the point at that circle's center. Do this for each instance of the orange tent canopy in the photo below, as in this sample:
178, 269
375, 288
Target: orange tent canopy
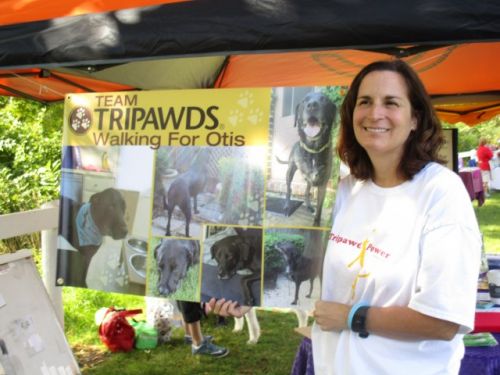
20, 11
463, 79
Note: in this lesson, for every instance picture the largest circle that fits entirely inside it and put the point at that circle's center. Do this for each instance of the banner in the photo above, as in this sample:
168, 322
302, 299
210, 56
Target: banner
193, 194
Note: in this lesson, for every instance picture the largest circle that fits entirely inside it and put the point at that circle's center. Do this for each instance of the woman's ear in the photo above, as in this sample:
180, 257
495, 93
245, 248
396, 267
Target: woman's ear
413, 123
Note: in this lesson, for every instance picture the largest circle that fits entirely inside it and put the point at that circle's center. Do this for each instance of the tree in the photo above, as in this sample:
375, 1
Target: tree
468, 136
30, 156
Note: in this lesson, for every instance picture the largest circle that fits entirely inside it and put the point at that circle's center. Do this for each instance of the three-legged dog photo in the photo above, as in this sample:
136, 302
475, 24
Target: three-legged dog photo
197, 185
185, 188
311, 154
291, 258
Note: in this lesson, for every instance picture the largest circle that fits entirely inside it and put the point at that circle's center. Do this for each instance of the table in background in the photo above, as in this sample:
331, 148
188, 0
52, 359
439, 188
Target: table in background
477, 360
481, 360
473, 182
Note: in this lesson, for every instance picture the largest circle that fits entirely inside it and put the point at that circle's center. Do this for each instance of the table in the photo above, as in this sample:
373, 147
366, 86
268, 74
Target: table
476, 361
473, 182
481, 360
303, 363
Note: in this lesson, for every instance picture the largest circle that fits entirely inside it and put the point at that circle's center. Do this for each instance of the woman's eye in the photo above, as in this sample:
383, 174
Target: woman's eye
392, 104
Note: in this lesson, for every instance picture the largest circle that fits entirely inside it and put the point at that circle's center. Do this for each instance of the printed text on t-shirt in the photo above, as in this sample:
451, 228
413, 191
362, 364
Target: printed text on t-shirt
370, 248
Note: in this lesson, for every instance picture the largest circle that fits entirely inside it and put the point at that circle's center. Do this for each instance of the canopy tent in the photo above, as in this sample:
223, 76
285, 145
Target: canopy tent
54, 47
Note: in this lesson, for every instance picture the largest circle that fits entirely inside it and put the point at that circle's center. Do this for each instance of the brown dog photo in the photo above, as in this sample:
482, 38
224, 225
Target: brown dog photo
232, 264
104, 214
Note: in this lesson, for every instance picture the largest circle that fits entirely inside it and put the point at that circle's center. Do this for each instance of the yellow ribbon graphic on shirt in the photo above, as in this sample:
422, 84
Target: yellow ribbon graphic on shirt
361, 258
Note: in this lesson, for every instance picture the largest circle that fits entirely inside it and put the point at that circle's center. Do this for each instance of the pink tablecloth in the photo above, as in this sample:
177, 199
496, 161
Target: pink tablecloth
473, 182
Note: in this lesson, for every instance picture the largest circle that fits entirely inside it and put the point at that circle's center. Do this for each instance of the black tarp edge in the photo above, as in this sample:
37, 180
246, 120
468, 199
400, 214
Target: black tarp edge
222, 27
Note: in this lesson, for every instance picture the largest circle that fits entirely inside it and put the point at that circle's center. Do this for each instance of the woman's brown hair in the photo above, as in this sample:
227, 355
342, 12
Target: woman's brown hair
421, 146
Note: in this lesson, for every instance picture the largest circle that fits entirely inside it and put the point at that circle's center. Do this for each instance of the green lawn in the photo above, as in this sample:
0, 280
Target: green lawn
488, 216
273, 354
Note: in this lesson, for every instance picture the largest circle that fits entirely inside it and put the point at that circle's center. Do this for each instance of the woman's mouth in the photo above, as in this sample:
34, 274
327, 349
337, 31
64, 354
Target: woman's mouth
375, 130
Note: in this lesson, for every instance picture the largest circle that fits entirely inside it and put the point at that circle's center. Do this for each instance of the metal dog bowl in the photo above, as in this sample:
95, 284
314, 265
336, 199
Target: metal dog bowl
137, 245
138, 264
135, 250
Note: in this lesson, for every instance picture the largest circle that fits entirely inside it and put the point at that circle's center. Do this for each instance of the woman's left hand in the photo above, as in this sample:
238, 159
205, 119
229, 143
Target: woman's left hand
227, 308
331, 316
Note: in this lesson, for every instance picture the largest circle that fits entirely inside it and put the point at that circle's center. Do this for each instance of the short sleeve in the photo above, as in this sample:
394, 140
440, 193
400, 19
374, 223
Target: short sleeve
450, 254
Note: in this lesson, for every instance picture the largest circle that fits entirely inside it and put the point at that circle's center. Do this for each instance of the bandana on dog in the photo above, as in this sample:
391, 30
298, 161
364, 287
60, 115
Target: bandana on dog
88, 233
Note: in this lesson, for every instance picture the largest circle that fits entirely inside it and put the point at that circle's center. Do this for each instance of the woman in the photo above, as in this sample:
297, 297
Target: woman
401, 267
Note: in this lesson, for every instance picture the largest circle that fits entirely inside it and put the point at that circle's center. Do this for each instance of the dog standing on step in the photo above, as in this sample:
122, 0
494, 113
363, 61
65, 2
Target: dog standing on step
188, 185
312, 154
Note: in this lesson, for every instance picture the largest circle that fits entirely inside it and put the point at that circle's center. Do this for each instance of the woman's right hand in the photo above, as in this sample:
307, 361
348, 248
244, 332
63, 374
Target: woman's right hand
227, 308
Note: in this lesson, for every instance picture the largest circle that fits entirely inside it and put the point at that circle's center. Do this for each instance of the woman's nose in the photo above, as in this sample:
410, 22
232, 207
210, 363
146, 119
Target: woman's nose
375, 112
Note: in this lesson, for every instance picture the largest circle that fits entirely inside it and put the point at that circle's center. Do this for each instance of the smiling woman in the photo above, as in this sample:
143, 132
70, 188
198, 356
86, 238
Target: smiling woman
400, 201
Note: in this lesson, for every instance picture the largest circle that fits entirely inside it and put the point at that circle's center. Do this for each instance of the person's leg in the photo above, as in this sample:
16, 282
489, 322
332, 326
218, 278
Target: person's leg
192, 314
486, 182
194, 331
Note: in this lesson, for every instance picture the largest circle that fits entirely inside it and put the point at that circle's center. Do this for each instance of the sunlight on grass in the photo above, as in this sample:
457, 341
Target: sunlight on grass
80, 306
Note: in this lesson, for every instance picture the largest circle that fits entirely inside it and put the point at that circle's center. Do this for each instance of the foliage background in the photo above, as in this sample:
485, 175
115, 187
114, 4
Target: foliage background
30, 159
468, 137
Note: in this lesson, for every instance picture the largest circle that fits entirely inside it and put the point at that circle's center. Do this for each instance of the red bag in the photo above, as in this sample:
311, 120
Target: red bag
116, 332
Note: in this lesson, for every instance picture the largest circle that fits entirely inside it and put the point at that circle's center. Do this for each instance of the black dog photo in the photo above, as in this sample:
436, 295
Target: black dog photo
174, 267
197, 185
104, 212
300, 186
232, 264
292, 267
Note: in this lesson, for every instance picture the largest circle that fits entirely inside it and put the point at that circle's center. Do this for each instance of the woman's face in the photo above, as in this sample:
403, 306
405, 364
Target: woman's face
382, 117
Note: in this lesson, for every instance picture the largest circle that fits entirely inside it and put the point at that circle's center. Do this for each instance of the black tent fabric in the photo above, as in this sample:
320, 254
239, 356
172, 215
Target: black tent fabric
203, 27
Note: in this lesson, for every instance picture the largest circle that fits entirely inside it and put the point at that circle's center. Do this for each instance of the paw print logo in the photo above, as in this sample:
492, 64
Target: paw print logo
235, 117
245, 100
255, 116
80, 120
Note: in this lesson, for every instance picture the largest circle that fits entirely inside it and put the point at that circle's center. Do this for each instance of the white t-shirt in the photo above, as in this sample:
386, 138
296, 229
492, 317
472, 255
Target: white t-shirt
417, 245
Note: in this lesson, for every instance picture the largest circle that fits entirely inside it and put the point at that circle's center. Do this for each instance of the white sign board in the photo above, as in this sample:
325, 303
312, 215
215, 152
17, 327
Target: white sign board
31, 339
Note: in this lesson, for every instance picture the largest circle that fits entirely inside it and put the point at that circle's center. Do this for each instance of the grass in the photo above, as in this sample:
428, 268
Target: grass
488, 216
274, 353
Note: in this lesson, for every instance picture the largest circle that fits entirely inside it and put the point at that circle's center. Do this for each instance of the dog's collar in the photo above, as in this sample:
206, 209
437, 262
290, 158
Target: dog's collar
315, 138
88, 233
313, 151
